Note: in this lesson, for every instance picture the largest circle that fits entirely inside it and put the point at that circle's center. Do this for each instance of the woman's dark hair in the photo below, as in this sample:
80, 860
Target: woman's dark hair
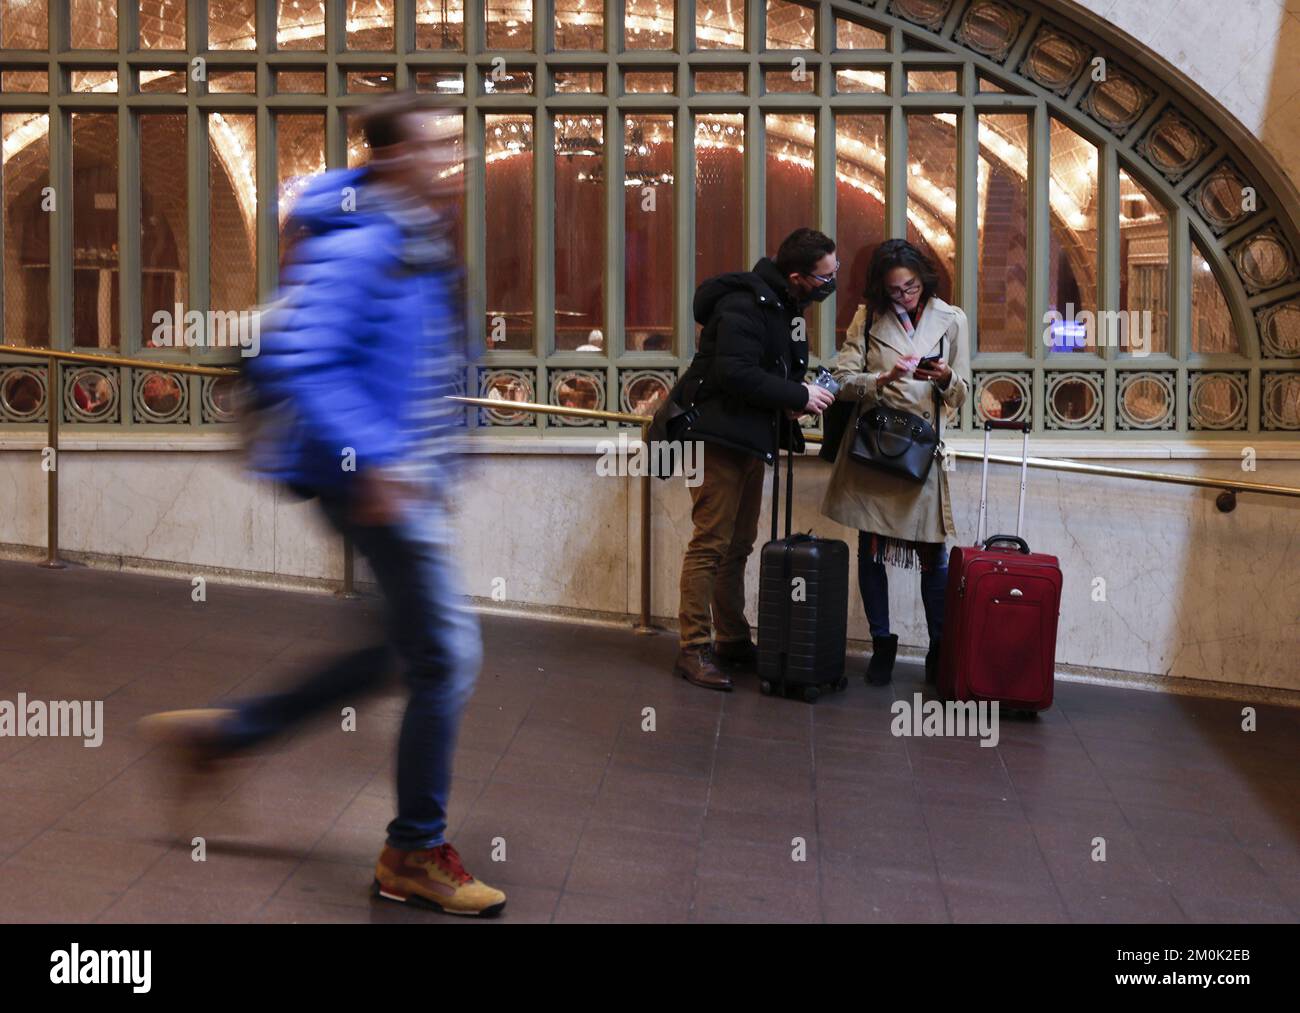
897, 253
381, 121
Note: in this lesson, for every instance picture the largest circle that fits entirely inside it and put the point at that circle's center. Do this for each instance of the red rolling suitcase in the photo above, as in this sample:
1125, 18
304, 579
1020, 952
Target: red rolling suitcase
803, 606
1002, 607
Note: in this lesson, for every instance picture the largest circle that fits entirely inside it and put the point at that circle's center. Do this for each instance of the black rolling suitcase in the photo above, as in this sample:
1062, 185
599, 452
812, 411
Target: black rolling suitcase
803, 606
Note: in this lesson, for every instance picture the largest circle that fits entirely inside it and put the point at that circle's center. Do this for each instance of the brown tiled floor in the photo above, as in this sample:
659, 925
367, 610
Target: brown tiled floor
603, 821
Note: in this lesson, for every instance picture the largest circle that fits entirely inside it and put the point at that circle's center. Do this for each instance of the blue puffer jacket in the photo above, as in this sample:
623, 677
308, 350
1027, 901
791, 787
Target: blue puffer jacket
342, 341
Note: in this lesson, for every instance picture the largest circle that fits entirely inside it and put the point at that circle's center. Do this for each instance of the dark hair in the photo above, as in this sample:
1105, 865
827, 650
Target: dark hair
891, 254
381, 122
800, 251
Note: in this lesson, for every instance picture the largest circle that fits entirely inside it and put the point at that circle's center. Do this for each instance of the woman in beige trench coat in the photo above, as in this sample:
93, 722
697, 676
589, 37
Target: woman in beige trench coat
899, 521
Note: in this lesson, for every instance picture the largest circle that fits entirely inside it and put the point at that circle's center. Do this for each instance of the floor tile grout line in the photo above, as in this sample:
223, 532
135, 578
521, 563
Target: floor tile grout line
708, 801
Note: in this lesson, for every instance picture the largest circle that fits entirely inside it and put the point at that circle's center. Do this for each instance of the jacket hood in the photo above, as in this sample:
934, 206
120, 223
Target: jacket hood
713, 290
322, 207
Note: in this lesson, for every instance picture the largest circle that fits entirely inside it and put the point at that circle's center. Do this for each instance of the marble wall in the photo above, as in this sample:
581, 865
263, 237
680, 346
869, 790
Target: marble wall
1189, 592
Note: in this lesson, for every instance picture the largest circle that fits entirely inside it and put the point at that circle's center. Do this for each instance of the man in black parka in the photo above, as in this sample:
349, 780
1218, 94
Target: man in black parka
744, 385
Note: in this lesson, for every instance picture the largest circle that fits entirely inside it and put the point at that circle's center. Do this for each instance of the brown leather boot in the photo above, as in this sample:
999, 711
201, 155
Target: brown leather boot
695, 664
736, 654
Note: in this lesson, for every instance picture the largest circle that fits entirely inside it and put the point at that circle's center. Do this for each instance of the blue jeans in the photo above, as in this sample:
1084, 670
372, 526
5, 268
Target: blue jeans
437, 638
874, 585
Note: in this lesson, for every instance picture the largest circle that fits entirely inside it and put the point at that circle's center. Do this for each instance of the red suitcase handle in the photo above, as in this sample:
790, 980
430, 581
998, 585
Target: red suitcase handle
1020, 543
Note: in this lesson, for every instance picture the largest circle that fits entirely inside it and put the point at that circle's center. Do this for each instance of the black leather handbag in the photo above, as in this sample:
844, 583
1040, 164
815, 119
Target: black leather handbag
896, 441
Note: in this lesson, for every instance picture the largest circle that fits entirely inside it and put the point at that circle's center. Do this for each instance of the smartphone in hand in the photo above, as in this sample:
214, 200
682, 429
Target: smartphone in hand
928, 362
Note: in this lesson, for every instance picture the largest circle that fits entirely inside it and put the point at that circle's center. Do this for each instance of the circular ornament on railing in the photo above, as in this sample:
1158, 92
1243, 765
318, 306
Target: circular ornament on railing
1146, 400
1074, 400
1264, 260
1217, 401
159, 397
1003, 395
90, 394
577, 388
642, 391
506, 385
22, 394
1280, 396
219, 396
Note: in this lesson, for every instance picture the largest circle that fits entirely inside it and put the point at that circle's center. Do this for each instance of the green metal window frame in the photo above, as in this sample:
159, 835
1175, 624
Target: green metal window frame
918, 33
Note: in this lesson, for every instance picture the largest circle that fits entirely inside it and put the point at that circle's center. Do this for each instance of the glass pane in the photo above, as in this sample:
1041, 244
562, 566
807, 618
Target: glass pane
369, 81
440, 24
795, 79
1003, 216
790, 25
851, 35
30, 81
1072, 246
95, 289
232, 210
642, 82
300, 24
101, 81
243, 82
358, 146
26, 174
1143, 267
164, 232
442, 82
648, 24
509, 230
370, 25
162, 24
1212, 330
648, 215
302, 82
232, 24
579, 24
791, 184
720, 24
93, 24
580, 233
160, 81
719, 194
860, 81
509, 24
932, 80
579, 81
713, 81
511, 80
859, 207
932, 191
299, 155
25, 24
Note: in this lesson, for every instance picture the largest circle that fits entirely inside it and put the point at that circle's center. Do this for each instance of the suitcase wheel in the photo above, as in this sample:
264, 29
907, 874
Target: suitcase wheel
765, 688
841, 684
811, 693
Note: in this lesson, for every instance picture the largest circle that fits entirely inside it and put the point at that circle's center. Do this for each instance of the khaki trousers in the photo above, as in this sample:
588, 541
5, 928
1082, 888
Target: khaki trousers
725, 511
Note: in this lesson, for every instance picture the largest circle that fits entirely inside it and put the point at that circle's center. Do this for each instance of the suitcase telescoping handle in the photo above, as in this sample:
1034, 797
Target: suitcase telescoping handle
989, 426
789, 482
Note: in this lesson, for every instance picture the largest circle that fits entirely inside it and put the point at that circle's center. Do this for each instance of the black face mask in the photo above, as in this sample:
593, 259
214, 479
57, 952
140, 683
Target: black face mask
822, 293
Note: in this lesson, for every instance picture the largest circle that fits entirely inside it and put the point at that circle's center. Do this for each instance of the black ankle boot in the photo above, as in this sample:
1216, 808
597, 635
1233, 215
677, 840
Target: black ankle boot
881, 667
932, 665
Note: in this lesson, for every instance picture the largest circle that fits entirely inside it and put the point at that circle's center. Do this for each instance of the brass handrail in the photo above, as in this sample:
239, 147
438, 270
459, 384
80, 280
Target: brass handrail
1050, 463
119, 360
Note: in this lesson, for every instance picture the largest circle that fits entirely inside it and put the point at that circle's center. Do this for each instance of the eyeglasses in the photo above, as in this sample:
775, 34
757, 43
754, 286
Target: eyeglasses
826, 279
911, 287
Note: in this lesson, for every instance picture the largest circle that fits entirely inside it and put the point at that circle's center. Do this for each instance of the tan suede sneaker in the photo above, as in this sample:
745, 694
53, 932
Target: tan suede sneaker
434, 878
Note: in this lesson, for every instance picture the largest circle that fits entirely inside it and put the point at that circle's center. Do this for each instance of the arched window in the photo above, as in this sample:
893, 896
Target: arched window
1126, 255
